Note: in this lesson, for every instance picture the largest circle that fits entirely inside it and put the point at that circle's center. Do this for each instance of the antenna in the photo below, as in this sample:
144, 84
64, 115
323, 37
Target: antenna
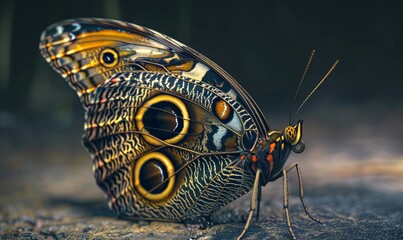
300, 83
310, 94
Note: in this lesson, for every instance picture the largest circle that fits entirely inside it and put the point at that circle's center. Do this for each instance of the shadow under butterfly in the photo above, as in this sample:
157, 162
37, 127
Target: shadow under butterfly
173, 137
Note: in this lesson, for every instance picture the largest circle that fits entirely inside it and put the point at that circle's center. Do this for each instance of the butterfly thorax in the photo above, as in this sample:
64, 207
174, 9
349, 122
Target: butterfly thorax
271, 153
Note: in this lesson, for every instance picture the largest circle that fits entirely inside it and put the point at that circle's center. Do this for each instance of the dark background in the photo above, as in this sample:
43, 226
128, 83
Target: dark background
353, 123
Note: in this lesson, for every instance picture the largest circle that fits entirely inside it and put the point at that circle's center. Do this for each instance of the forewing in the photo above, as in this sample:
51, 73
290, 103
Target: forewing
75, 49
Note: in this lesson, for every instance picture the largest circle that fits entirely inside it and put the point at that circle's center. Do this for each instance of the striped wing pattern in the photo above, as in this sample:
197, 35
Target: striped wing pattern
165, 126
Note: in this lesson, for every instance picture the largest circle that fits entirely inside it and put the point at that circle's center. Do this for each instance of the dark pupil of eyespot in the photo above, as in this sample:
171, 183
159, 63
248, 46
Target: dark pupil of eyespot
163, 120
108, 57
152, 174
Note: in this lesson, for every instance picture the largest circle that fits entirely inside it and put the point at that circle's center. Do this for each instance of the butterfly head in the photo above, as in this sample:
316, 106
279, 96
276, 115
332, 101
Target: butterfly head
274, 151
291, 137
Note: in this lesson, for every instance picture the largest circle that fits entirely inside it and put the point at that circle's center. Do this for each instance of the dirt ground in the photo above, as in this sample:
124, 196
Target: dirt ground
49, 193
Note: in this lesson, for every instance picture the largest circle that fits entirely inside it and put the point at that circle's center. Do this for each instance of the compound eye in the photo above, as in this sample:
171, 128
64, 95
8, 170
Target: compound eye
109, 57
290, 135
293, 135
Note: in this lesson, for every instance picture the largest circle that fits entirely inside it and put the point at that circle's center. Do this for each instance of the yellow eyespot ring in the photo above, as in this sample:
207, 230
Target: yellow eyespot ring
109, 57
170, 170
163, 98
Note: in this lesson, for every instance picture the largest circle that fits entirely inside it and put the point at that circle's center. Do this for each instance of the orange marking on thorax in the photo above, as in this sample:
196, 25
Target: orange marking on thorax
272, 146
254, 158
269, 158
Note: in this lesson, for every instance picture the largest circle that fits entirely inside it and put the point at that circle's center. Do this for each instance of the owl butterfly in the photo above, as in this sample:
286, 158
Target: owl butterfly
172, 136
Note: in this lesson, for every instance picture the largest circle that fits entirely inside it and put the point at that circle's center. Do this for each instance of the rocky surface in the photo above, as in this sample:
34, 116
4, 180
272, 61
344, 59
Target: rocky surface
350, 213
50, 194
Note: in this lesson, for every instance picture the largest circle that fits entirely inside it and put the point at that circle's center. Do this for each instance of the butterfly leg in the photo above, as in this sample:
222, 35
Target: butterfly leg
254, 205
301, 196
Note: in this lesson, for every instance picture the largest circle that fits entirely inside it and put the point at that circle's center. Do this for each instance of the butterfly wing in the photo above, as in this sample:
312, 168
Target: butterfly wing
74, 49
165, 126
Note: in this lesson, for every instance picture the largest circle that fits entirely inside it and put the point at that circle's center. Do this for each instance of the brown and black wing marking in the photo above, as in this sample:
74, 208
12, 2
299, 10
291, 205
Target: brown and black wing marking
73, 48
165, 125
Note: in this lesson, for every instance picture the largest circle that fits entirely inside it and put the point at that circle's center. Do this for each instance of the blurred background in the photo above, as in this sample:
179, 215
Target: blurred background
352, 124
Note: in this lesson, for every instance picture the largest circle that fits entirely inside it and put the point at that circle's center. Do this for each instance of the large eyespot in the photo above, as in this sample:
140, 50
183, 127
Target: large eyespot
154, 176
165, 118
109, 57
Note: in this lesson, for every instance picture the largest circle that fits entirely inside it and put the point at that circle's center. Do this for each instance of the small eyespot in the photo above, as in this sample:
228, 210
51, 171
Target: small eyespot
109, 57
222, 110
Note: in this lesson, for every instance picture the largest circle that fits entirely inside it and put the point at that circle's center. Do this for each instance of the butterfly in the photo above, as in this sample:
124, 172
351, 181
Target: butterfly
172, 136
